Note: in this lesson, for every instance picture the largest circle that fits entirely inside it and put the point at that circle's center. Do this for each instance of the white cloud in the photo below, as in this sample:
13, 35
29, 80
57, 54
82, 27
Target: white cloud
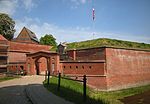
61, 34
8, 6
28, 4
71, 34
76, 3
79, 1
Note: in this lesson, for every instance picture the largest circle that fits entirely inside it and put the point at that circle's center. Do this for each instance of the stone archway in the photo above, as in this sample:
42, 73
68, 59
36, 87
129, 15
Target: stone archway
34, 61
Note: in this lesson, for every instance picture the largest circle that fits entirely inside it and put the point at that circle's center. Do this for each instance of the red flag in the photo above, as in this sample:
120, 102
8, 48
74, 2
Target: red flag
93, 13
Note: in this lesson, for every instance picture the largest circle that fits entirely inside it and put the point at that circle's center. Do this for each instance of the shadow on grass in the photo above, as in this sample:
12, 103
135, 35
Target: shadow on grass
71, 95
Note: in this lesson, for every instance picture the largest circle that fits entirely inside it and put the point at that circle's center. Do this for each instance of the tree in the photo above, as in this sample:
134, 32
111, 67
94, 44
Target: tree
7, 25
48, 39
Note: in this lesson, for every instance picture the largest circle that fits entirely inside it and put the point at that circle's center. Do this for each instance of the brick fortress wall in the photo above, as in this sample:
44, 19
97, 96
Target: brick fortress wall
90, 62
122, 68
87, 54
127, 68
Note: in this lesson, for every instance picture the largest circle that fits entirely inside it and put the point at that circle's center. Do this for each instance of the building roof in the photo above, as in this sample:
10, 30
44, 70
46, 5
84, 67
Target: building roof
63, 44
31, 34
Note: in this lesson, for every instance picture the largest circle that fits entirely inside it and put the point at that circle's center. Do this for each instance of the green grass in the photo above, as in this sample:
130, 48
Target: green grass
7, 78
53, 49
70, 90
73, 91
106, 42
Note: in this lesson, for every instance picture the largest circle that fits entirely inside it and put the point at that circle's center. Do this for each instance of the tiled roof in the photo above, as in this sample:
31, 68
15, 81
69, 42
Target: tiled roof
32, 35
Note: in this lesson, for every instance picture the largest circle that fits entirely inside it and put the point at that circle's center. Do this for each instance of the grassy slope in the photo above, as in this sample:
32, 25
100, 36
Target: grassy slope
7, 78
73, 91
106, 42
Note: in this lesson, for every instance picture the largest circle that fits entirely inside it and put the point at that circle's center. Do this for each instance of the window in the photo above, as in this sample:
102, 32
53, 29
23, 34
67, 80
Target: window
64, 67
82, 67
70, 67
76, 67
90, 67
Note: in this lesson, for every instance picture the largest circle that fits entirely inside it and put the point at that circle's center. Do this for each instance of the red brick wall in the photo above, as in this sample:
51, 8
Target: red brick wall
54, 63
88, 68
16, 68
99, 83
92, 69
26, 47
17, 53
16, 57
88, 54
127, 68
43, 64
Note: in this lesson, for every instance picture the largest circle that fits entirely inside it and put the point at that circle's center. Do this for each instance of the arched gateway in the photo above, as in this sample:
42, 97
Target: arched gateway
41, 61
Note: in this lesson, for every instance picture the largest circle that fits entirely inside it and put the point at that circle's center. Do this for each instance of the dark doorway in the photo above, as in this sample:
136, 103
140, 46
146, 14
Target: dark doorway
37, 68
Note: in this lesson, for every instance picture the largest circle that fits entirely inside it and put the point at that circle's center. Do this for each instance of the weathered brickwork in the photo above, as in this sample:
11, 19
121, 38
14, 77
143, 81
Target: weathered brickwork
26, 47
16, 68
88, 54
107, 68
17, 54
13, 53
127, 68
15, 57
122, 68
95, 72
42, 64
39, 62
3, 54
83, 68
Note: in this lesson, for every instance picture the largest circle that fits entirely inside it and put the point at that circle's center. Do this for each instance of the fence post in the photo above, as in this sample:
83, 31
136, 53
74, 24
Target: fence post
84, 87
48, 77
59, 78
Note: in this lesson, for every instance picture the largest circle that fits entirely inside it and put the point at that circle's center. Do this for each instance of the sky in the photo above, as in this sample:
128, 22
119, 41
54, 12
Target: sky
71, 20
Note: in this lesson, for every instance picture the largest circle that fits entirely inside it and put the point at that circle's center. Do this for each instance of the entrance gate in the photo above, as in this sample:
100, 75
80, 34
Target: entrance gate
52, 62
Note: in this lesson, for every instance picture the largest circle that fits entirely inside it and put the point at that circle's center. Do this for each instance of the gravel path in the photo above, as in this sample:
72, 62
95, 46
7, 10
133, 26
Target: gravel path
27, 90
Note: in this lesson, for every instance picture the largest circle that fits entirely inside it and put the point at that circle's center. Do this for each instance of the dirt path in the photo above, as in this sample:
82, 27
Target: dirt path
143, 98
13, 91
27, 90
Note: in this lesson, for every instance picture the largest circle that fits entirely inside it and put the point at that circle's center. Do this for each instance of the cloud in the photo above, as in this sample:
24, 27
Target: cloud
61, 34
8, 6
28, 4
71, 34
79, 1
76, 3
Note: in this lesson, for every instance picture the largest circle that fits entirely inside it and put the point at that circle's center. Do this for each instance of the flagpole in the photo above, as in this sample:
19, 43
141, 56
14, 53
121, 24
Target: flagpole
93, 17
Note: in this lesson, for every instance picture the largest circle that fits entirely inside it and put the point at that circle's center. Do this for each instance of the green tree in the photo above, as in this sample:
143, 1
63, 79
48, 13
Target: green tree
7, 25
48, 39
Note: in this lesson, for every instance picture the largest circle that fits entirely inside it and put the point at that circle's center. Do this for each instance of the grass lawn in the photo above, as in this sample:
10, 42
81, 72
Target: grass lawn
73, 91
7, 78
